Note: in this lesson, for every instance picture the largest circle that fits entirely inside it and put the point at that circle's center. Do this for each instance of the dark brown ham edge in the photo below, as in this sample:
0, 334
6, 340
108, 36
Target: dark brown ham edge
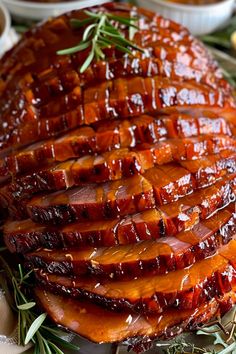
24, 236
124, 98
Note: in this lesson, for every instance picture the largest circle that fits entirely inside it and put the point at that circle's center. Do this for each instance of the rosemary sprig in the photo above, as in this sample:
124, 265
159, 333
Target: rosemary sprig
32, 328
223, 336
180, 346
101, 32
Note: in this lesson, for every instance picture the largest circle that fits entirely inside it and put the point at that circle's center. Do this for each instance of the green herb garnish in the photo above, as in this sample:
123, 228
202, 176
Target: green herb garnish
222, 334
100, 33
46, 339
180, 346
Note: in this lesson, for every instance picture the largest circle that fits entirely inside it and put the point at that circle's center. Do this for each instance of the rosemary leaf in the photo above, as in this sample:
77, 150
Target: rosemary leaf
110, 34
211, 39
77, 48
87, 62
111, 29
103, 44
20, 272
26, 306
92, 14
123, 20
229, 349
76, 23
55, 348
34, 327
99, 53
60, 341
40, 344
47, 346
117, 45
37, 350
87, 32
54, 335
31, 327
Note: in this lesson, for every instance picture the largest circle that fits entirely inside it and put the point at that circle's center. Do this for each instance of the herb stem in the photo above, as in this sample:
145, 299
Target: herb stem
102, 32
31, 326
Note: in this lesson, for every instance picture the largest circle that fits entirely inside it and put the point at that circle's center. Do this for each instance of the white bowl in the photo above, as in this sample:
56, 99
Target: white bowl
5, 24
199, 19
30, 10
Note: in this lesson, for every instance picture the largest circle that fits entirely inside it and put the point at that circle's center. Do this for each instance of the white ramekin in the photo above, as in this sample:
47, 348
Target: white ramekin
30, 10
5, 24
199, 19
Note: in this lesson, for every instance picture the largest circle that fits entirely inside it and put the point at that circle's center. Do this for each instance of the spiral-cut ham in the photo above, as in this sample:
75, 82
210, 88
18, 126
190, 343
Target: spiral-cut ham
118, 184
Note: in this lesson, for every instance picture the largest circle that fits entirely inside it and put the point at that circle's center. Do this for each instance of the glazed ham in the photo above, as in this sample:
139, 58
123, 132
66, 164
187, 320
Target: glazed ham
118, 184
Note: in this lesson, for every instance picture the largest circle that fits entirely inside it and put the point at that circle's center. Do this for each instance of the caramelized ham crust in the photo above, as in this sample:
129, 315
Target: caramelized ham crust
169, 182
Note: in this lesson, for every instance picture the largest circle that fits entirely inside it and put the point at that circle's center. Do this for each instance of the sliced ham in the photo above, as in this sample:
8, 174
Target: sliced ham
103, 326
106, 136
183, 289
145, 257
111, 200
